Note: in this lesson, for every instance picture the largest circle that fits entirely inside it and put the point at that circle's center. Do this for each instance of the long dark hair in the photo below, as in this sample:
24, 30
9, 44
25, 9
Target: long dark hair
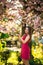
29, 28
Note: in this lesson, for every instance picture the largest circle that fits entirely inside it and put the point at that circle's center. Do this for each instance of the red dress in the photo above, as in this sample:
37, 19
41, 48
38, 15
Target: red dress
25, 49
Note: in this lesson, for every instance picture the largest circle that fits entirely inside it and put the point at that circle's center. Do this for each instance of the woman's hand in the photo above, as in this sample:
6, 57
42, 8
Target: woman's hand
27, 39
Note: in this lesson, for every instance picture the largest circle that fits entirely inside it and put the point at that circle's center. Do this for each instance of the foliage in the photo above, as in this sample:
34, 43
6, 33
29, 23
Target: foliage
5, 19
4, 35
13, 58
35, 62
4, 56
2, 45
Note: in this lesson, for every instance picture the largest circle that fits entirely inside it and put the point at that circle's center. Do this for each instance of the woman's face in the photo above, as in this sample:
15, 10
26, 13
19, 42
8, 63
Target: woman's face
26, 30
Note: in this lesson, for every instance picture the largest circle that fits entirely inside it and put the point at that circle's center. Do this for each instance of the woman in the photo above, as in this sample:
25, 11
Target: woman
25, 49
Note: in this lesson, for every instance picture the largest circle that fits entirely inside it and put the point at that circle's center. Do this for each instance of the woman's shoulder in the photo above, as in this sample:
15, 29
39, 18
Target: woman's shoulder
28, 35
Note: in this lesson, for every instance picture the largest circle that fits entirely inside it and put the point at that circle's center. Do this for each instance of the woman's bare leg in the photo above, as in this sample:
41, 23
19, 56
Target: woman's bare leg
26, 62
23, 61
